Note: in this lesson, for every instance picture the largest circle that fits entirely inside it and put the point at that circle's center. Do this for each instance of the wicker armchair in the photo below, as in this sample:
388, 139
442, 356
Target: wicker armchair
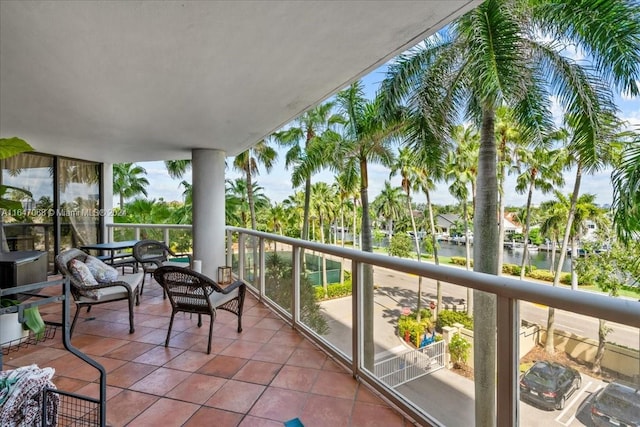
151, 254
192, 292
126, 287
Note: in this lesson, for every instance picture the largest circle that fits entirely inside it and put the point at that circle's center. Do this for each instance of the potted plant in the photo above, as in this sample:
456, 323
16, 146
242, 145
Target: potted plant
10, 328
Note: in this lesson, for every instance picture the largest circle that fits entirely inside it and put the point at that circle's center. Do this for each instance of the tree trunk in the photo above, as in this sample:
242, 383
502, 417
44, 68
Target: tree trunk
417, 242
501, 214
467, 248
367, 276
549, 344
525, 252
432, 225
603, 331
574, 262
252, 214
485, 260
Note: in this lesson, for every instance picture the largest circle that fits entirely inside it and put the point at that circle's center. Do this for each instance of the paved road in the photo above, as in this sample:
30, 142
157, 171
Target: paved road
403, 288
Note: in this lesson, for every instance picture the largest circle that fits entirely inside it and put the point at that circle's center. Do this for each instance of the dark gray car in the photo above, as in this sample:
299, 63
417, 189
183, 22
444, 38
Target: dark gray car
618, 404
549, 384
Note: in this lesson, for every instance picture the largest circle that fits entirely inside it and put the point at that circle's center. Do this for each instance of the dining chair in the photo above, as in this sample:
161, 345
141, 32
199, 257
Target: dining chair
151, 254
192, 292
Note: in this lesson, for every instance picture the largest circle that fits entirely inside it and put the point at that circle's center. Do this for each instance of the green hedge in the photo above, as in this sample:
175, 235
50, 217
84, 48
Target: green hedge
334, 290
449, 317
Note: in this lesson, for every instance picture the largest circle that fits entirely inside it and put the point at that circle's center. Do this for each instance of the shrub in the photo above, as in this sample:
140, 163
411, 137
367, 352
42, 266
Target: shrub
459, 350
448, 318
416, 330
334, 290
458, 260
400, 245
541, 275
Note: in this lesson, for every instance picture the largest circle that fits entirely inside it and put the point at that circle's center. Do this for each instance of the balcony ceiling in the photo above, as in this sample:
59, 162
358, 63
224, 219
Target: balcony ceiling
146, 80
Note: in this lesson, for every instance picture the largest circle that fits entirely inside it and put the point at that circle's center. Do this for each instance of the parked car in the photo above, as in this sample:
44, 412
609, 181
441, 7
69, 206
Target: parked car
617, 404
549, 384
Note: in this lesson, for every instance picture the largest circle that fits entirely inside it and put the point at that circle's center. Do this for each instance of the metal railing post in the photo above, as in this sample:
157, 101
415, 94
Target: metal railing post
295, 295
507, 361
261, 260
356, 337
241, 257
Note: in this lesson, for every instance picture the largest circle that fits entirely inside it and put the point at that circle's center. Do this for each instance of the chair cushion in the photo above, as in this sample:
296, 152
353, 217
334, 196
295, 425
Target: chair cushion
218, 298
102, 272
117, 292
81, 273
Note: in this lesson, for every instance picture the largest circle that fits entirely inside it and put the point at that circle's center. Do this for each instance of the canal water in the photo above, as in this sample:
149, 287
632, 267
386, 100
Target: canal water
540, 259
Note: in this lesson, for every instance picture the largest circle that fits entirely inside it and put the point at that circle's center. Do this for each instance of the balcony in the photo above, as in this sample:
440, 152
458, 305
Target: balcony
284, 365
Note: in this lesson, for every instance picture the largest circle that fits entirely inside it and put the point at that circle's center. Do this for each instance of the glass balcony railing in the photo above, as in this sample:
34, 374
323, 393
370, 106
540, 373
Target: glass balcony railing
422, 375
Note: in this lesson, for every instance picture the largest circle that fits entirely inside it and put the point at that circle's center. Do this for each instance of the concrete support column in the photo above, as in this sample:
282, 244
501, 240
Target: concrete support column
208, 209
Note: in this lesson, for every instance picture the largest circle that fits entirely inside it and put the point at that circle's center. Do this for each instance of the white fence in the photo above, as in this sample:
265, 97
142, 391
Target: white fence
411, 365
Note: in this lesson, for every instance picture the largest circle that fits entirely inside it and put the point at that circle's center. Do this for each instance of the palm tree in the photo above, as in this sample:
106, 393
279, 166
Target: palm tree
248, 162
128, 181
388, 205
553, 223
406, 165
542, 172
507, 141
321, 206
367, 138
591, 152
506, 52
177, 168
306, 143
626, 191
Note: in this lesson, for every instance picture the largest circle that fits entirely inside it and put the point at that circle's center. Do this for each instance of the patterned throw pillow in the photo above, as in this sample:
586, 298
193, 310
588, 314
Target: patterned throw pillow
81, 272
102, 272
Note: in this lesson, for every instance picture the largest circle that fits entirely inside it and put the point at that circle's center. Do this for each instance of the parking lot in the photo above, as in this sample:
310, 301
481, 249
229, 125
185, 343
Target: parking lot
576, 412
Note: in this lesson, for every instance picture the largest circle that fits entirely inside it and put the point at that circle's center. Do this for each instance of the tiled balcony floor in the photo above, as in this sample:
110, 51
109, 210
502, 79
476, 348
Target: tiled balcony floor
264, 376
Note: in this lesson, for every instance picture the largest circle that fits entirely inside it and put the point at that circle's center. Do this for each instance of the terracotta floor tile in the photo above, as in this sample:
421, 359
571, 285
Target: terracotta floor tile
236, 396
130, 351
256, 335
41, 356
336, 385
286, 337
258, 372
189, 361
251, 421
279, 404
128, 374
273, 324
275, 353
308, 358
244, 349
196, 388
160, 381
367, 396
166, 412
158, 355
321, 411
69, 384
102, 346
223, 366
375, 416
295, 378
127, 405
204, 417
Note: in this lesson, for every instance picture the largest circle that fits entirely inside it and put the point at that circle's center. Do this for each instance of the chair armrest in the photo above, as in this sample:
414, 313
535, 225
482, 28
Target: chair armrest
232, 287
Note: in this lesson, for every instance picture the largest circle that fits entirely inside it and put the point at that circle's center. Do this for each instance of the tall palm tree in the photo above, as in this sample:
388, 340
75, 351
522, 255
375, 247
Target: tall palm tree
248, 162
406, 165
129, 181
507, 52
388, 205
322, 205
543, 172
591, 152
507, 141
367, 138
306, 141
553, 223
626, 191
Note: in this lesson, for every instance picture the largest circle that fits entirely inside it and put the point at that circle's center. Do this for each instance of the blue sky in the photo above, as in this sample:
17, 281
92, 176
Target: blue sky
277, 185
